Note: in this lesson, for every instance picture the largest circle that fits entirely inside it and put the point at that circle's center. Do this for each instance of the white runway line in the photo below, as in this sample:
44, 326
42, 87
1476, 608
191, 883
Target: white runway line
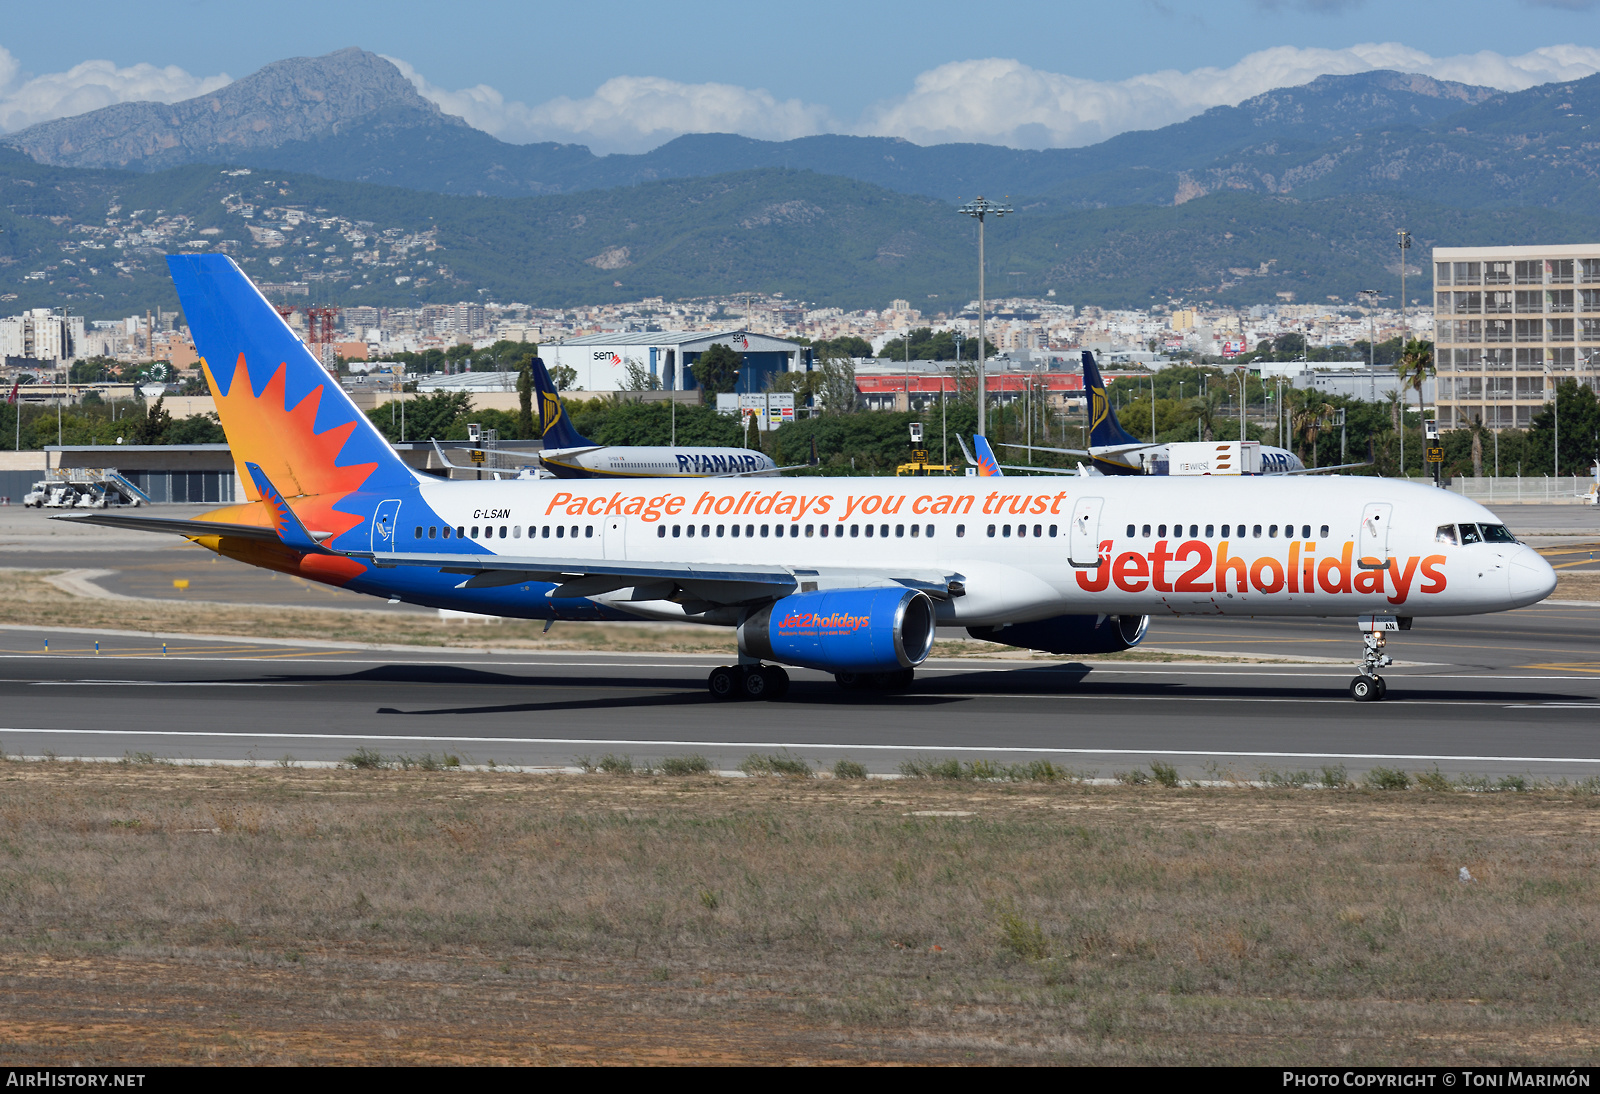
1007, 749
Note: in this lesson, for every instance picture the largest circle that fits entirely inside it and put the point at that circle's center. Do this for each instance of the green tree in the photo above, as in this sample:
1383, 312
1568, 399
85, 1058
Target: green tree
629, 423
196, 429
1579, 415
525, 428
1416, 365
846, 345
153, 427
928, 346
564, 377
636, 378
425, 416
838, 384
717, 371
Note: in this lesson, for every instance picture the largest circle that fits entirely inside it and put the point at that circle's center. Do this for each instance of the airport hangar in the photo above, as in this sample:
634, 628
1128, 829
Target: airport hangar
601, 360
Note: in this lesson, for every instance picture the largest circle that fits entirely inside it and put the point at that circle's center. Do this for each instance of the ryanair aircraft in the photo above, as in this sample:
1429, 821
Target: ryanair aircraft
1114, 451
570, 455
849, 576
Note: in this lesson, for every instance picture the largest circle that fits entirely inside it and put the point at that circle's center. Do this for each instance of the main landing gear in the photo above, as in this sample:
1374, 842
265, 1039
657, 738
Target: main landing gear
748, 682
875, 681
1369, 686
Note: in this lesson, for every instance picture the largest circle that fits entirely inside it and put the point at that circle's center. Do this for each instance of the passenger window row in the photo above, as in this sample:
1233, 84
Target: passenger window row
775, 531
1245, 531
488, 531
1022, 531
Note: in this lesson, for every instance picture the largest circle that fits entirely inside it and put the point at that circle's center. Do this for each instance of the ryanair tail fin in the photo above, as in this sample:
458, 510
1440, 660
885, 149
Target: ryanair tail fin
554, 425
1104, 429
288, 421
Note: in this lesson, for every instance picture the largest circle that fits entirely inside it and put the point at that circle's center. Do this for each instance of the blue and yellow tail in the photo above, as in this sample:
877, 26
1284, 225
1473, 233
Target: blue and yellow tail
988, 466
554, 425
1104, 429
282, 411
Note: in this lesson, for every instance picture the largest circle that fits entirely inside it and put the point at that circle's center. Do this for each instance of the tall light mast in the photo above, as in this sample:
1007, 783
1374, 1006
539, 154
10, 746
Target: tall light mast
981, 207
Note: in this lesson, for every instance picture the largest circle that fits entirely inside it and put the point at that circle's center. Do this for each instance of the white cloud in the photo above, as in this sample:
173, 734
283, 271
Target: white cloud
999, 101
992, 101
91, 85
631, 113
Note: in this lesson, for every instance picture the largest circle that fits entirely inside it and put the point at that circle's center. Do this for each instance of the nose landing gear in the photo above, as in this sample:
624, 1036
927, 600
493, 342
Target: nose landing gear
1369, 686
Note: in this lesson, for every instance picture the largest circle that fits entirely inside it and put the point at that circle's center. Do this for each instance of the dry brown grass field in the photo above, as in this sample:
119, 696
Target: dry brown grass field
159, 914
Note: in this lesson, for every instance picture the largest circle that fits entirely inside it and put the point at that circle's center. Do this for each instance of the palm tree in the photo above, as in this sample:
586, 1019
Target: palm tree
1477, 446
1207, 408
1307, 418
1416, 365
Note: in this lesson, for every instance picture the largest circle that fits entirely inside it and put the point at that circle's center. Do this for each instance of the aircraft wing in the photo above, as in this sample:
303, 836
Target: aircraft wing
1096, 450
713, 584
189, 528
568, 453
1042, 448
1318, 470
1046, 470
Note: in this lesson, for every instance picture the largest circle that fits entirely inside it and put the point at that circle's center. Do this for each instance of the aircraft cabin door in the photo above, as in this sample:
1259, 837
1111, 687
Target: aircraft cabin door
385, 526
1372, 542
1083, 540
615, 543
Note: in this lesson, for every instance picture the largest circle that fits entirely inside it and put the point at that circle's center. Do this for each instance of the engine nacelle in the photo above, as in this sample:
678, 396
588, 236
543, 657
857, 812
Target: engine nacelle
843, 630
1070, 633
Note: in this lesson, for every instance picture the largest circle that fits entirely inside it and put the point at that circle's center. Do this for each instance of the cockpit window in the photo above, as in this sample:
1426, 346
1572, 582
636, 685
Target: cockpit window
1469, 534
1445, 534
1497, 533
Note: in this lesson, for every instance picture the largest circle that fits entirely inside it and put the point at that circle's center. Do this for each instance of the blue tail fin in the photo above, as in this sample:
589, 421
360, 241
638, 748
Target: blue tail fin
988, 466
554, 425
281, 410
1104, 429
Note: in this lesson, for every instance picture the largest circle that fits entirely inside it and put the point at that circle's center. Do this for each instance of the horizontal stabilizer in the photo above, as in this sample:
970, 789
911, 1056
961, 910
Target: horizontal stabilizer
178, 527
284, 519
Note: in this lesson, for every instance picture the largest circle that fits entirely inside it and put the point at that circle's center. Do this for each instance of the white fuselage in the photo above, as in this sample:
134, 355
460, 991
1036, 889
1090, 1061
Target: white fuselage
1027, 548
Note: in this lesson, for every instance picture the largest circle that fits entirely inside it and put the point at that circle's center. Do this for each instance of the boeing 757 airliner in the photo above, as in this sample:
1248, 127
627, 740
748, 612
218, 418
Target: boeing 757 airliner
847, 575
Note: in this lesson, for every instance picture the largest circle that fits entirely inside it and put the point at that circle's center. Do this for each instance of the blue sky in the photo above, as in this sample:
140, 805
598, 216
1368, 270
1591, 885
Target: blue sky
910, 69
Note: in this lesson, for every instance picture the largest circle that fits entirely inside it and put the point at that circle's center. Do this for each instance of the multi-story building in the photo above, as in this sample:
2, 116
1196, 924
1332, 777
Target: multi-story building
42, 335
1509, 324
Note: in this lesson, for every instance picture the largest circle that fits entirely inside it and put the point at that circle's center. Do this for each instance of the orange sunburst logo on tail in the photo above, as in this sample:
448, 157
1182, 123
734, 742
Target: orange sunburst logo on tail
283, 442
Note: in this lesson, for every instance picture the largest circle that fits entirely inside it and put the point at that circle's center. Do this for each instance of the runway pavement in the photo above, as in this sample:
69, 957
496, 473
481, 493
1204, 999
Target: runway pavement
1507, 694
1517, 693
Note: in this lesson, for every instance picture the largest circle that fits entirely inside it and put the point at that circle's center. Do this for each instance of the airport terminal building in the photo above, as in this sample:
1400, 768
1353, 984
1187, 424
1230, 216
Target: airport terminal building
603, 362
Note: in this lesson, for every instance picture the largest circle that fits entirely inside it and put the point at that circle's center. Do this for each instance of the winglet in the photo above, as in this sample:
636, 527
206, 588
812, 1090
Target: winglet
988, 466
284, 521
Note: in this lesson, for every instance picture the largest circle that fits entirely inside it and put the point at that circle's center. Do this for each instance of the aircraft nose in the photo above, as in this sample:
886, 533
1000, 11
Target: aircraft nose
1532, 578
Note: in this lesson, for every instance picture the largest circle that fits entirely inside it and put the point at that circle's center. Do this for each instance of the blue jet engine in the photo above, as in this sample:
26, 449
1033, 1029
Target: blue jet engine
1070, 633
843, 630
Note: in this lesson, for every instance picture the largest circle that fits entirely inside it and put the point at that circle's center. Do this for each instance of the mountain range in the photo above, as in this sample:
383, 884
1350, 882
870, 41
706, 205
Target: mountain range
1298, 190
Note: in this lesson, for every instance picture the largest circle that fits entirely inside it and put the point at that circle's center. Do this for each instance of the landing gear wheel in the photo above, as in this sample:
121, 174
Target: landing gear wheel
723, 683
1383, 688
777, 682
896, 681
757, 683
1364, 689
850, 681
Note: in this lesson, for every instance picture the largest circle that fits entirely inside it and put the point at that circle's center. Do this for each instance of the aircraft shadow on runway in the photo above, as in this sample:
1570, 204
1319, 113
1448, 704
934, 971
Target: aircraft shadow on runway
1066, 680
